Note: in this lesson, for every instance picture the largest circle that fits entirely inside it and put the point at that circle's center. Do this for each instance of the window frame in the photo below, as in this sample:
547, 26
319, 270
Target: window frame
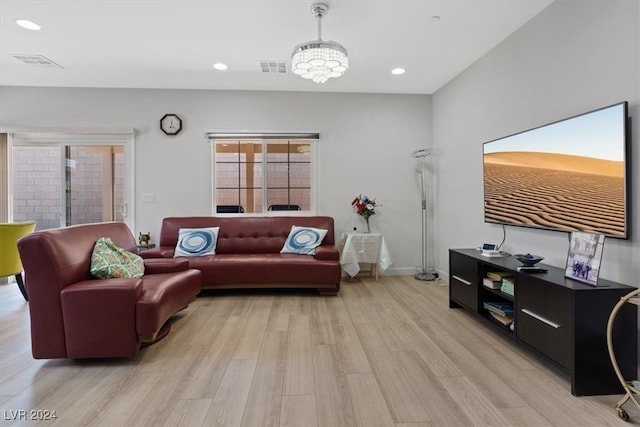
313, 138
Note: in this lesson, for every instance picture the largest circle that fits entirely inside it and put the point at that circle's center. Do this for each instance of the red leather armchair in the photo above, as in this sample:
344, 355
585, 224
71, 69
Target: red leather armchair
74, 315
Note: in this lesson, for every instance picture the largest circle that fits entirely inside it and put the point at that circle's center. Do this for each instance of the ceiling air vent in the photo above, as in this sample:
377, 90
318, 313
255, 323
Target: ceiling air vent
40, 61
277, 67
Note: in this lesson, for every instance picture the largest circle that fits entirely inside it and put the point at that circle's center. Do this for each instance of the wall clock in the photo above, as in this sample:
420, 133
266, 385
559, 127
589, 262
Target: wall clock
171, 124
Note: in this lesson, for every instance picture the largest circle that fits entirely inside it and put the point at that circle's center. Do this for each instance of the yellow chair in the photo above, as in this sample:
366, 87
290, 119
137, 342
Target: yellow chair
10, 264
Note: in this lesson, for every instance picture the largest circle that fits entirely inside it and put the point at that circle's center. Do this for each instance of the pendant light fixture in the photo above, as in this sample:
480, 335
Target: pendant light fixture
319, 60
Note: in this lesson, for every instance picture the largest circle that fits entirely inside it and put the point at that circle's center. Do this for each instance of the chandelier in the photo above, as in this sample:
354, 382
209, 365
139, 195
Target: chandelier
319, 60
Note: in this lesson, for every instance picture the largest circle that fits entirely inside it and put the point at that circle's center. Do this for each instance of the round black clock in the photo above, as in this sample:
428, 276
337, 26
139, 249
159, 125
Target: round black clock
171, 124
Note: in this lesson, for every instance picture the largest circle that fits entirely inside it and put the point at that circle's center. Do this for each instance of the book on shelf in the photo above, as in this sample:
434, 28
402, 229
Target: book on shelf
508, 281
498, 275
491, 284
500, 308
505, 320
508, 286
508, 291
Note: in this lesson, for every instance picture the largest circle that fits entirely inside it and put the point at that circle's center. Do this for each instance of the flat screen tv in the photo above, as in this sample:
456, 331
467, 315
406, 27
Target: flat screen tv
570, 175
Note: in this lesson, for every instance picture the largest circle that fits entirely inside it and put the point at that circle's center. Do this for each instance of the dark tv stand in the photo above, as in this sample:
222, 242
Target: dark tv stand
561, 319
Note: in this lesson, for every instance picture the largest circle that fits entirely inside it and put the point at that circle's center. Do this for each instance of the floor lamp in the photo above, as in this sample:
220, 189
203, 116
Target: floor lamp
423, 272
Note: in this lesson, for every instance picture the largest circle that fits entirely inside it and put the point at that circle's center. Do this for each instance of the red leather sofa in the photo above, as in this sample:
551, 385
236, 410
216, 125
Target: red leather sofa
74, 315
248, 253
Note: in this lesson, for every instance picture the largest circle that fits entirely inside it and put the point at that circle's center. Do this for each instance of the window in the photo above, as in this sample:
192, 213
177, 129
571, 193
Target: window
66, 179
256, 175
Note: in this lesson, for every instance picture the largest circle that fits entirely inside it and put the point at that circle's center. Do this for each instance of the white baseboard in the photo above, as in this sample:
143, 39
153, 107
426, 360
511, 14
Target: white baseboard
409, 271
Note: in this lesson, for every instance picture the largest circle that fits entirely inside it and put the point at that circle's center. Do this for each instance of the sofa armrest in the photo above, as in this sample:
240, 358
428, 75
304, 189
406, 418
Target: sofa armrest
161, 252
327, 252
100, 317
165, 265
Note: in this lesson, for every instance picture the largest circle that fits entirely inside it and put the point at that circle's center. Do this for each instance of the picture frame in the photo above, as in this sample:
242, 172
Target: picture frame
584, 257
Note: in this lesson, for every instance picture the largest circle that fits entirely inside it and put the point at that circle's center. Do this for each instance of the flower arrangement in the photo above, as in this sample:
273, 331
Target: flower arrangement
365, 207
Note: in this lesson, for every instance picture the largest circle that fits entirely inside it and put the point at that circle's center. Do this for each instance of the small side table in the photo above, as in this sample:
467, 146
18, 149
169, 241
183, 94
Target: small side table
366, 248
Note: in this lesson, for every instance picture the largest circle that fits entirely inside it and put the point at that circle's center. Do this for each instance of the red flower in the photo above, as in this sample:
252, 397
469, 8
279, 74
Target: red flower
364, 206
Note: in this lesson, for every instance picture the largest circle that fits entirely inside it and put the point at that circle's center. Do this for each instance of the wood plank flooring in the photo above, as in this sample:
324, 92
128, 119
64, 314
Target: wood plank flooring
386, 353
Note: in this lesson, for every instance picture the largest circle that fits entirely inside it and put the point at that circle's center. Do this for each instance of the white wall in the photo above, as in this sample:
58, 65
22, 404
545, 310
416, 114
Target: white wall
573, 57
365, 147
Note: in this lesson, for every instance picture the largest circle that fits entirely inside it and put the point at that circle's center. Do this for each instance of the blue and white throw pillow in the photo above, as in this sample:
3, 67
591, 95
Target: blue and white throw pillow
303, 240
196, 241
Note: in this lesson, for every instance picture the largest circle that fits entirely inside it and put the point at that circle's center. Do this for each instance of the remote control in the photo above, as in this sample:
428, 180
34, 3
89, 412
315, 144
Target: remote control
532, 269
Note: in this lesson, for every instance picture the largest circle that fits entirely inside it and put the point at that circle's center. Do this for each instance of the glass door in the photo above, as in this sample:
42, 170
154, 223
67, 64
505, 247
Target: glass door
62, 185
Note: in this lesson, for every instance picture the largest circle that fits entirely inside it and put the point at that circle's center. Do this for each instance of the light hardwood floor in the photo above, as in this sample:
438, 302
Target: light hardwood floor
387, 353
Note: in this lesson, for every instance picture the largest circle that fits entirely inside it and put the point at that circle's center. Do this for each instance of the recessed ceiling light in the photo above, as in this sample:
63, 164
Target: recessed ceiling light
24, 23
435, 19
220, 66
398, 71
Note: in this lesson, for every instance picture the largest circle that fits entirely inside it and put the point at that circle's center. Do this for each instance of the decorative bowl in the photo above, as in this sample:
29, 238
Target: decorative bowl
528, 260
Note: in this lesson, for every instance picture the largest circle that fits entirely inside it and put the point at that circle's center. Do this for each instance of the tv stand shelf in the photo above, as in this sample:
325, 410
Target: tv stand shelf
561, 319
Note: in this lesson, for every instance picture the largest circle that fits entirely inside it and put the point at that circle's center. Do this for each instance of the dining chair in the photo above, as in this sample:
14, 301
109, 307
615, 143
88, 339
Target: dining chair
10, 264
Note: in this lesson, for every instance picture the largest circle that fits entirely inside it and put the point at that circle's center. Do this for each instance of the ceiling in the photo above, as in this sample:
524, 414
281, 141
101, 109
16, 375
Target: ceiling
174, 43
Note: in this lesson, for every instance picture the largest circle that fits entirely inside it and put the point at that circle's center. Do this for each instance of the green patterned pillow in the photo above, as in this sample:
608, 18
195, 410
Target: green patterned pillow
109, 261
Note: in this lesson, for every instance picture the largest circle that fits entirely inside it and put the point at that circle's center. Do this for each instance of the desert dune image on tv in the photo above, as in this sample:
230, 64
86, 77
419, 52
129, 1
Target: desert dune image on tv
567, 176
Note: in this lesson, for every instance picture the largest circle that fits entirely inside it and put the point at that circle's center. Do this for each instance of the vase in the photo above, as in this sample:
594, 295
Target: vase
368, 229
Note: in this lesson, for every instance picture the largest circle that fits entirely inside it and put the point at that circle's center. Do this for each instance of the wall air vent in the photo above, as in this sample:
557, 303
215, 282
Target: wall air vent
40, 61
277, 67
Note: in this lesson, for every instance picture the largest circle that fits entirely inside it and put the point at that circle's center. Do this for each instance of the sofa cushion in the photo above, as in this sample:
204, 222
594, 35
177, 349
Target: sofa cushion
164, 295
228, 270
165, 265
247, 235
303, 240
196, 241
109, 261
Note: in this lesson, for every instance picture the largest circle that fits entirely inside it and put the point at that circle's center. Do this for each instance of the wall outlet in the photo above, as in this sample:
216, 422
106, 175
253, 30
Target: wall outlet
148, 197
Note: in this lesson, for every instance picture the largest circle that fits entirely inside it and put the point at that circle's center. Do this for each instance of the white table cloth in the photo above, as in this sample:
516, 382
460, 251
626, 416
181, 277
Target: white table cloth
369, 248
